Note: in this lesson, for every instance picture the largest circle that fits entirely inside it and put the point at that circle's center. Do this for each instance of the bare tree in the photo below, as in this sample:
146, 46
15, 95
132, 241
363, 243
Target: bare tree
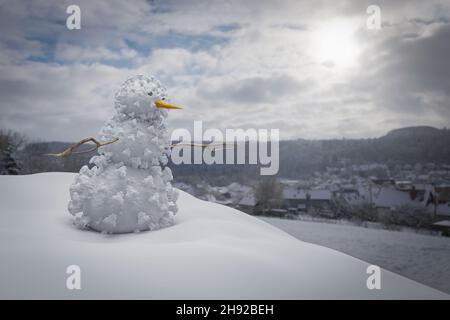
269, 194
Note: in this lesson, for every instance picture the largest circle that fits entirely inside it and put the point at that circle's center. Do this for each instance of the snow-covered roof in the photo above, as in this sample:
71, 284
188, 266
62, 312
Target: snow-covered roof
443, 223
294, 193
320, 194
388, 197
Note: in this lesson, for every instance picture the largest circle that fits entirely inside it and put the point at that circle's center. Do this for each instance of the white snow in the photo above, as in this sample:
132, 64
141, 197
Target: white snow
424, 258
212, 252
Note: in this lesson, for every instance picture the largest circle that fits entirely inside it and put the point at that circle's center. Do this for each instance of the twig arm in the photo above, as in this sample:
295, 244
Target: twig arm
69, 151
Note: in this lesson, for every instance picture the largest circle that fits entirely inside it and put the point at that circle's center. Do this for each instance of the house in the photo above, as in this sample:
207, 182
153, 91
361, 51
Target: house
293, 196
416, 191
384, 198
386, 194
299, 200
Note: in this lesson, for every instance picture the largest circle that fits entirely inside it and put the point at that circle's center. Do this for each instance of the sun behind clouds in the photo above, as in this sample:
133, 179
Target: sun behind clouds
334, 44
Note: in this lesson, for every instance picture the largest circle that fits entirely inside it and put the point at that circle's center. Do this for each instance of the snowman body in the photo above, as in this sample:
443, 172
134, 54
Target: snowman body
128, 188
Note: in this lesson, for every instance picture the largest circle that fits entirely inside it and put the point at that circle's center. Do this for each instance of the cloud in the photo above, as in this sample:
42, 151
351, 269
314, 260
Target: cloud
424, 61
54, 102
71, 53
409, 80
257, 89
178, 61
230, 63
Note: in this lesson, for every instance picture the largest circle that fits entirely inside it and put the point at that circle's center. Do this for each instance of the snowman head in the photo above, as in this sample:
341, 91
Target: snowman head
142, 97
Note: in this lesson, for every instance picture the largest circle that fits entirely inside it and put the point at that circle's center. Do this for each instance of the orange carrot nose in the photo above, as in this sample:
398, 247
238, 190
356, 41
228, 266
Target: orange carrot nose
162, 104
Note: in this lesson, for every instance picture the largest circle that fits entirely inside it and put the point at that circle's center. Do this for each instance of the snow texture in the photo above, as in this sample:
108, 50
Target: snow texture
423, 258
212, 252
128, 189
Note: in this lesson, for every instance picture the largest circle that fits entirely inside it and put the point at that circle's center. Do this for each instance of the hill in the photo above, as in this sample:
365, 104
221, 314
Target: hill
297, 157
212, 252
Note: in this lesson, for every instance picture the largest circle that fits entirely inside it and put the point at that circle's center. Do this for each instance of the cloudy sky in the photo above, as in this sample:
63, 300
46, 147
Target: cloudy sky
310, 68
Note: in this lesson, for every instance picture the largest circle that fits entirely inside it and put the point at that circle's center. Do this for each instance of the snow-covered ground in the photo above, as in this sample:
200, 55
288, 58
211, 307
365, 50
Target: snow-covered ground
423, 258
212, 252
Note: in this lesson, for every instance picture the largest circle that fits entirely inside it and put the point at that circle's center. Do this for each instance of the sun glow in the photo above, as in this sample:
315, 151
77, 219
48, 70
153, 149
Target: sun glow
334, 44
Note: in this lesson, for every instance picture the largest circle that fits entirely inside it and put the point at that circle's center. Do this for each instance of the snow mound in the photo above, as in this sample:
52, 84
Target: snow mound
212, 252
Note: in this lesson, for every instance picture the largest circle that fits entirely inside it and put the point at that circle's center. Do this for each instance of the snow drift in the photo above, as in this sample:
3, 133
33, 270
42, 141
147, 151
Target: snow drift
212, 252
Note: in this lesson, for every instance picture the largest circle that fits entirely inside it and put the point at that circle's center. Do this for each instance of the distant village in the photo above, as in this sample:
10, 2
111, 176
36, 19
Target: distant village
416, 196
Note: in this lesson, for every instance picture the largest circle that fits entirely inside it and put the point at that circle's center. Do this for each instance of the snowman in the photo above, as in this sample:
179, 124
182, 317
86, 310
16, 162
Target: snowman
128, 188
